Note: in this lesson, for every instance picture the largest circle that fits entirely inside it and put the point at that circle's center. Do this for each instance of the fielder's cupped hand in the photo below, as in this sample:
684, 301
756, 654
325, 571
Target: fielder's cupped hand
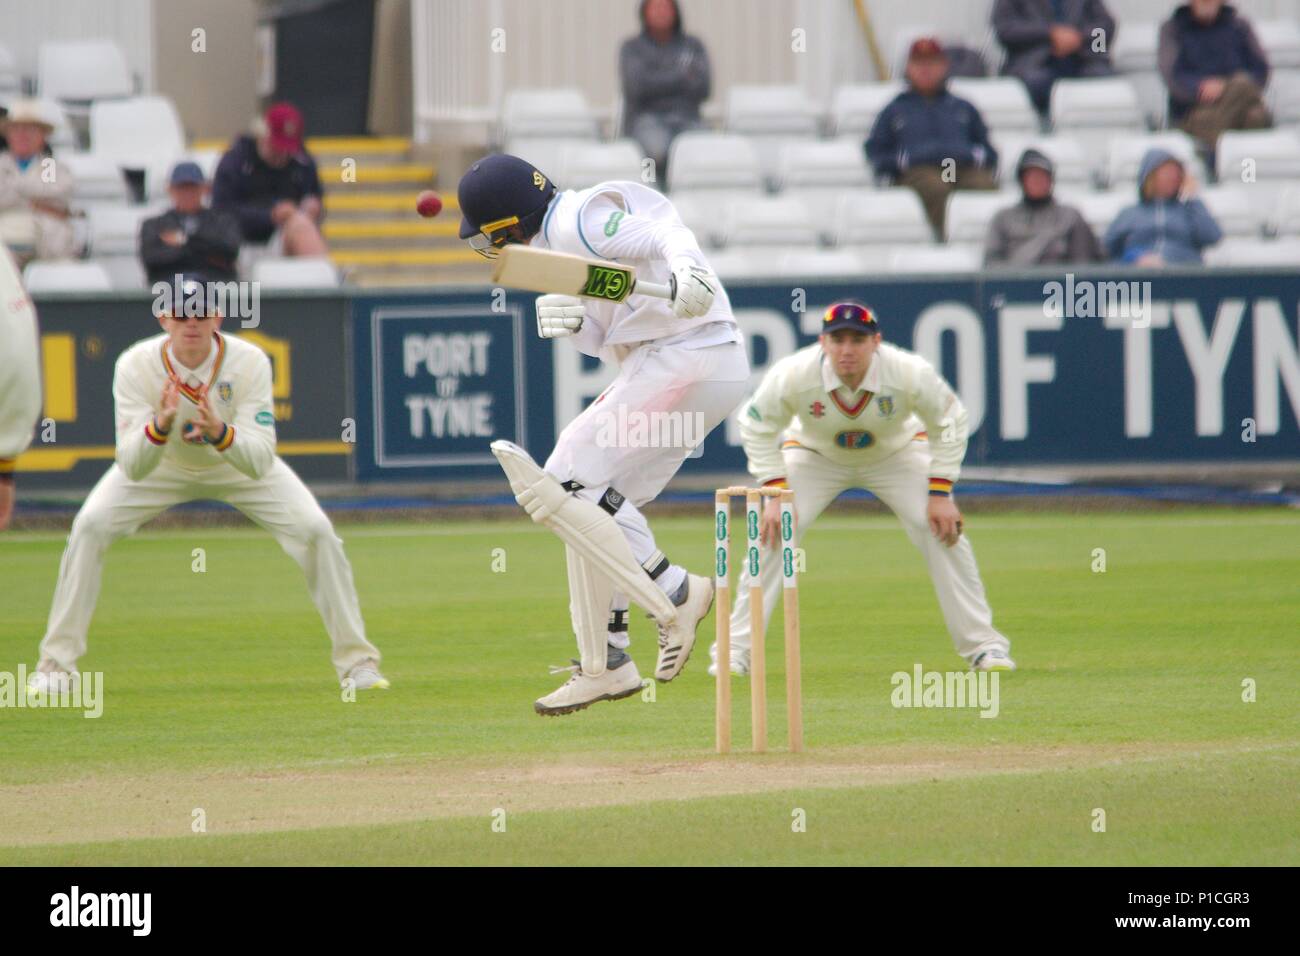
206, 424
693, 288
769, 533
171, 400
945, 520
558, 315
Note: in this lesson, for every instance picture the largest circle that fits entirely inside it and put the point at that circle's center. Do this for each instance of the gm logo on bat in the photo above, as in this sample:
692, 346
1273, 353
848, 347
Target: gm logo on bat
607, 283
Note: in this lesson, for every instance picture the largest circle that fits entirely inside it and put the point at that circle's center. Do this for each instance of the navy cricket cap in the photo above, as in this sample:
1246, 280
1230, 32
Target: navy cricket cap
849, 315
187, 174
500, 191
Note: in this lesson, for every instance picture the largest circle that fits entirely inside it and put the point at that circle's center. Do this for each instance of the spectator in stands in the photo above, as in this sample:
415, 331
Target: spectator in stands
930, 140
190, 237
665, 79
1047, 40
35, 191
269, 182
1215, 70
1168, 225
1038, 230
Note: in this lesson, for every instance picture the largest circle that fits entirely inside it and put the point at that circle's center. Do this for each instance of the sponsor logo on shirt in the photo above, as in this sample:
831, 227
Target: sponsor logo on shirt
854, 440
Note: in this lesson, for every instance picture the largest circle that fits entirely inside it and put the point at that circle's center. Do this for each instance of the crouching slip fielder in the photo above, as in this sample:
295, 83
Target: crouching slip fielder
20, 376
865, 414
194, 420
681, 362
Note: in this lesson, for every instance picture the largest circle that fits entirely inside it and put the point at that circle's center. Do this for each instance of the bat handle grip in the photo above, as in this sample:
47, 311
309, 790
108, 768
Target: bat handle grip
656, 289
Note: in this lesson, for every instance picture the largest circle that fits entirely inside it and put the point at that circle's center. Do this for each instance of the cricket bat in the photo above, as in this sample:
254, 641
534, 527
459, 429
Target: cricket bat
541, 270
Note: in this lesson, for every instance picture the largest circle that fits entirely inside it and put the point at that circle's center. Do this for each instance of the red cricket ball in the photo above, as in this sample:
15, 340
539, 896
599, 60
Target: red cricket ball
428, 204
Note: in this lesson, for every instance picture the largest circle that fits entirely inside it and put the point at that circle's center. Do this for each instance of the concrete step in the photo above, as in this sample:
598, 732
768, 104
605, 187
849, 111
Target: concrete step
369, 204
405, 256
400, 229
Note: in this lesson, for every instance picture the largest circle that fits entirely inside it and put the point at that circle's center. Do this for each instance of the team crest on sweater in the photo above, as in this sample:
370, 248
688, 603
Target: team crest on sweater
886, 405
224, 392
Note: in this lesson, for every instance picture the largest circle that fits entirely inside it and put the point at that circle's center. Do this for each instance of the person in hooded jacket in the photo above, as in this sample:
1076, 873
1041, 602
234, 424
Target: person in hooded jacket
1168, 226
665, 76
1038, 230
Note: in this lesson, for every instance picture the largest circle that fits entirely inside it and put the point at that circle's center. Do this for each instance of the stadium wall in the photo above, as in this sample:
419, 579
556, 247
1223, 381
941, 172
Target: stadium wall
1105, 368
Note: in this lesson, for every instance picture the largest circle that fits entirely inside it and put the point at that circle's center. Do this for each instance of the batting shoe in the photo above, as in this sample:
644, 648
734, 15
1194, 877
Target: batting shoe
993, 660
582, 690
49, 678
676, 640
739, 661
365, 676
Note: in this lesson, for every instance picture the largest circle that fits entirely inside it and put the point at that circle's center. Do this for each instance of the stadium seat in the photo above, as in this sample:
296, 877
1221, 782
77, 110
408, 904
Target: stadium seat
1002, 101
11, 81
1283, 97
1281, 41
546, 154
1073, 163
136, 133
969, 212
706, 160
586, 164
768, 221
1135, 46
754, 262
115, 230
875, 259
1098, 209
771, 117
1284, 219
854, 108
936, 259
1238, 251
1095, 110
819, 172
1153, 97
699, 217
82, 70
298, 273
65, 275
1234, 209
1273, 154
1126, 152
559, 113
881, 217
126, 273
820, 263
64, 135
94, 178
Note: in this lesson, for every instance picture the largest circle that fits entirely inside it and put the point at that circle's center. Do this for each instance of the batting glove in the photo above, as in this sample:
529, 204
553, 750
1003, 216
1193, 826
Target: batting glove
693, 288
558, 315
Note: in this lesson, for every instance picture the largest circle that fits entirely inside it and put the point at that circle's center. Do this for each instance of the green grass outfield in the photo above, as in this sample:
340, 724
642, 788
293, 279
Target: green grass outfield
220, 698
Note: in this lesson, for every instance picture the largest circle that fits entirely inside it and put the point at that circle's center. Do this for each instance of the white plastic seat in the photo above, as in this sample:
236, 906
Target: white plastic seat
752, 262
1281, 41
969, 212
587, 164
698, 217
1072, 161
771, 117
1153, 97
560, 112
1283, 97
65, 275
546, 154
820, 171
768, 221
1126, 152
935, 259
880, 217
1273, 154
1284, 219
1239, 251
1099, 103
1234, 209
854, 107
11, 80
1135, 47
64, 135
875, 259
704, 160
819, 263
295, 273
115, 230
80, 70
1098, 209
124, 272
136, 133
1001, 100
95, 178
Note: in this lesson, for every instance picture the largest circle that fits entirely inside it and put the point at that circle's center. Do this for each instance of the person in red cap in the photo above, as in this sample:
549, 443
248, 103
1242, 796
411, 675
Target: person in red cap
930, 140
269, 181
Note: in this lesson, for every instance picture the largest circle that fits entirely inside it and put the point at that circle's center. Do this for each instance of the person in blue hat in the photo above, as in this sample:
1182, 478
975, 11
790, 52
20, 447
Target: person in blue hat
682, 369
190, 237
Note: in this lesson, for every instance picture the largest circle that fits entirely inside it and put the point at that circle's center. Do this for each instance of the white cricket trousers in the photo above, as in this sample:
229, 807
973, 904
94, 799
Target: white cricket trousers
901, 481
636, 434
279, 502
